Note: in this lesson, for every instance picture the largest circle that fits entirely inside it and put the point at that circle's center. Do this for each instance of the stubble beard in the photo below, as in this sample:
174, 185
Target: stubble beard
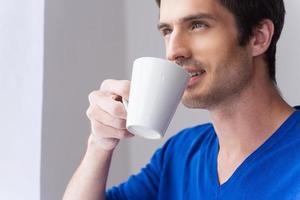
222, 91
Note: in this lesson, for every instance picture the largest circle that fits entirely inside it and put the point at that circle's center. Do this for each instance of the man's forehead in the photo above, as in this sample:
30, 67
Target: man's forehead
174, 10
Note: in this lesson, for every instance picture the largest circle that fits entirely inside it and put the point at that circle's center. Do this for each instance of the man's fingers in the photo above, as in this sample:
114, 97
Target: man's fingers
108, 103
118, 87
104, 131
97, 114
107, 113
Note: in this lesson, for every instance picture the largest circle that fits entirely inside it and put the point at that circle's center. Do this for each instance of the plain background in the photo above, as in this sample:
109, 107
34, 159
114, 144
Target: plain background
21, 81
52, 56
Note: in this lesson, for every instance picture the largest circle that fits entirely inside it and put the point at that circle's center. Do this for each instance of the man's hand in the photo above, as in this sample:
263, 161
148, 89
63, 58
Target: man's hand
108, 118
107, 114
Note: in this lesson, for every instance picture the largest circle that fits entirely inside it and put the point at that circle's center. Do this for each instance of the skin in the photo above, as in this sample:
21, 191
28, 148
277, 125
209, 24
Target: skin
244, 105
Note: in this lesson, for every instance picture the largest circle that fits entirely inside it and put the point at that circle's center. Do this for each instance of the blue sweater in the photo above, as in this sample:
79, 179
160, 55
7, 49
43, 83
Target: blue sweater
186, 168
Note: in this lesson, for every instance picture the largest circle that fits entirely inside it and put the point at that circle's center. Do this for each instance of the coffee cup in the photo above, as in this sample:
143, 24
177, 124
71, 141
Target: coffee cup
157, 86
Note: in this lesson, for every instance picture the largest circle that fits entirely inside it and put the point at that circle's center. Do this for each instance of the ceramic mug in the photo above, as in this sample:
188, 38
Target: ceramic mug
157, 86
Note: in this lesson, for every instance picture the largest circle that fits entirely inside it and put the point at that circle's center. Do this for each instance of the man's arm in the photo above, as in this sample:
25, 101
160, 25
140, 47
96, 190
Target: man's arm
108, 120
89, 180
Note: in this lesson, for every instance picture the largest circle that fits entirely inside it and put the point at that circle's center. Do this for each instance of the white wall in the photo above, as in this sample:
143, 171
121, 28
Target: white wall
21, 73
143, 40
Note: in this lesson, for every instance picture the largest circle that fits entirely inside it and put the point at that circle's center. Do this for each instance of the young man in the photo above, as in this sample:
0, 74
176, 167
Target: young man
251, 149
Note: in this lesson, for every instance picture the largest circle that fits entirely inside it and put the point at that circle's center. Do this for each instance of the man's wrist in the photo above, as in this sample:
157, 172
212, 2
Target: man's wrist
96, 143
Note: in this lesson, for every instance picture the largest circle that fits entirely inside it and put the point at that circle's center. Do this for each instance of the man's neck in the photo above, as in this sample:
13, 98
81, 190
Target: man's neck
245, 123
249, 120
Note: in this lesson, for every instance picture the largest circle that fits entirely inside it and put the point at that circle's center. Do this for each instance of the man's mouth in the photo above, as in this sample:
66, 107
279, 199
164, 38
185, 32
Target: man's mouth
195, 76
198, 73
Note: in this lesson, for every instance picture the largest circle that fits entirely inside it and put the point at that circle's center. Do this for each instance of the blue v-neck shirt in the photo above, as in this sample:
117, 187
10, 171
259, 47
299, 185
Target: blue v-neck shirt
186, 168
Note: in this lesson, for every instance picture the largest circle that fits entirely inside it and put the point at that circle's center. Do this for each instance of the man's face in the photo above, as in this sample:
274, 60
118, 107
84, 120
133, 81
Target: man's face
202, 36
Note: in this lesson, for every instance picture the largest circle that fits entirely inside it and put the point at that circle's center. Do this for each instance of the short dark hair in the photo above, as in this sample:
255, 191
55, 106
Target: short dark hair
248, 14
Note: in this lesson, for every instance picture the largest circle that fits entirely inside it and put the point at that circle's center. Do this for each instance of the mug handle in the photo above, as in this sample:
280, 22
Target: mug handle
125, 103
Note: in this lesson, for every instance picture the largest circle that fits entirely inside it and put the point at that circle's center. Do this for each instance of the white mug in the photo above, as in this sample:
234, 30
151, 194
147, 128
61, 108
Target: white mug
157, 86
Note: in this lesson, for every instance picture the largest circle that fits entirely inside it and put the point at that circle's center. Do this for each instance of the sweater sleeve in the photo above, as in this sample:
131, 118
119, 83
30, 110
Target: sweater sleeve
144, 185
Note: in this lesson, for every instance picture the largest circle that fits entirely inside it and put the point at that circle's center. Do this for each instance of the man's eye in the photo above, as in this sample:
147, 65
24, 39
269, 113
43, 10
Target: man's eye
199, 25
166, 31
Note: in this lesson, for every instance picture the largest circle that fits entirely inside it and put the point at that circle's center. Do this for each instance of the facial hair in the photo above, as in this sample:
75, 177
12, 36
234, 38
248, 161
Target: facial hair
224, 84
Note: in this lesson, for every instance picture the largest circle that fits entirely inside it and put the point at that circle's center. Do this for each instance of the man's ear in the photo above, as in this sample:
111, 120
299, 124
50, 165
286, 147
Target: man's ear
261, 37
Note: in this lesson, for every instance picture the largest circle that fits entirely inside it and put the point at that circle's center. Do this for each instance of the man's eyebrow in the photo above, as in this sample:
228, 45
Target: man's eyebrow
188, 18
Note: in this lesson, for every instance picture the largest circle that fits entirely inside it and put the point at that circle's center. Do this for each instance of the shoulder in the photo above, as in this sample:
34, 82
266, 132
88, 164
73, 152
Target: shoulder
196, 136
296, 118
191, 134
199, 132
292, 126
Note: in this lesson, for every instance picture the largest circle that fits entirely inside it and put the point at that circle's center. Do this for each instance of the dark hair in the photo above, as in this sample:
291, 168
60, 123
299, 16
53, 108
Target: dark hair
248, 14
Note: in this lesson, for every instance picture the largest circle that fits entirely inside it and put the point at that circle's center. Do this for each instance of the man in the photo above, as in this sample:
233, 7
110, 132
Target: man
250, 151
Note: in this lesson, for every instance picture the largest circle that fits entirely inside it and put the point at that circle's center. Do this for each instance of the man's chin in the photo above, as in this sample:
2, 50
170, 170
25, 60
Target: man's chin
193, 103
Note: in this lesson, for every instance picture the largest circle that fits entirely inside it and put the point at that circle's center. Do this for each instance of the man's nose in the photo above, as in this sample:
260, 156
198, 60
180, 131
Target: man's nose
178, 47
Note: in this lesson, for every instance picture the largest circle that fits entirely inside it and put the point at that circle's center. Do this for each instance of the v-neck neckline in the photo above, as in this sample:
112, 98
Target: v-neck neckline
280, 132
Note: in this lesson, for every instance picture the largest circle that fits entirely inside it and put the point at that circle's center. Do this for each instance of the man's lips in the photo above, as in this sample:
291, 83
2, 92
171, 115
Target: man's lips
194, 71
195, 75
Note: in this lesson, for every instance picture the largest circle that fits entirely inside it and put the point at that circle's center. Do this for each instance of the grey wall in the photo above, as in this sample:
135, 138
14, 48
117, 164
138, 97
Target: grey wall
84, 44
288, 70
